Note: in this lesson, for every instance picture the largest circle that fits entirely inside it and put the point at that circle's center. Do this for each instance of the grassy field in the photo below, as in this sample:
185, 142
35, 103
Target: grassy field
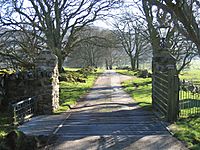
189, 106
191, 75
185, 129
70, 92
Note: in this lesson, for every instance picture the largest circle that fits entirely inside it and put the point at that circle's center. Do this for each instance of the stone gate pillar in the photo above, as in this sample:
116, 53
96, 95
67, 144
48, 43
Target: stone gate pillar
48, 92
165, 85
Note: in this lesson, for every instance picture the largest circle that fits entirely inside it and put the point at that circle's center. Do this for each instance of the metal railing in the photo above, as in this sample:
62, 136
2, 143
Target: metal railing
23, 110
189, 99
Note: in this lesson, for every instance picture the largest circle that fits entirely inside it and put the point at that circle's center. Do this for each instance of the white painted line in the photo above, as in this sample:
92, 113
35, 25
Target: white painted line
61, 125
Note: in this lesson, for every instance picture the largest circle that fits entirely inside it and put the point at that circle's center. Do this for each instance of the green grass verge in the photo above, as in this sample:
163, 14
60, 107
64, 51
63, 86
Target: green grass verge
70, 92
140, 91
126, 72
138, 88
71, 69
188, 131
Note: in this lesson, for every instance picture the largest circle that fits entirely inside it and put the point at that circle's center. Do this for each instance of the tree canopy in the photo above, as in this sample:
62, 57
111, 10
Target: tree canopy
53, 22
186, 16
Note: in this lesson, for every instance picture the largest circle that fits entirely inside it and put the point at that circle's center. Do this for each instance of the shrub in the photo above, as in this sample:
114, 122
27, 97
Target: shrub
77, 76
17, 140
143, 74
124, 68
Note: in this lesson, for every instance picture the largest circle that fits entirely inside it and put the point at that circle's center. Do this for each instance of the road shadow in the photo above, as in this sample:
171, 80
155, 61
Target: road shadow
108, 119
120, 129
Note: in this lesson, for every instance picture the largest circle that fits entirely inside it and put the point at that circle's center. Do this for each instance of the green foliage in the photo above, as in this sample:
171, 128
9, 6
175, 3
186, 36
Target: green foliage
188, 130
5, 71
80, 75
71, 76
5, 124
137, 73
71, 69
19, 141
70, 92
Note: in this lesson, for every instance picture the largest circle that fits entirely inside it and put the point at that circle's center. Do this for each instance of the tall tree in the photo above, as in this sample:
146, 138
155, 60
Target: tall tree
133, 37
187, 14
98, 45
55, 22
179, 46
18, 48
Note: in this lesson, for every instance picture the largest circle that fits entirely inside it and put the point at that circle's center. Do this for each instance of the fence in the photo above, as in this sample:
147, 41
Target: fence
189, 99
23, 110
165, 94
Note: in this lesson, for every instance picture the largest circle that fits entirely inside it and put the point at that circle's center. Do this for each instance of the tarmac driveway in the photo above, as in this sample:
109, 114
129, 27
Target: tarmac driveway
108, 118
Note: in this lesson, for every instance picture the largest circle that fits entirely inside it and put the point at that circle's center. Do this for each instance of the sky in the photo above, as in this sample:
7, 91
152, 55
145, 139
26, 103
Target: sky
103, 24
107, 24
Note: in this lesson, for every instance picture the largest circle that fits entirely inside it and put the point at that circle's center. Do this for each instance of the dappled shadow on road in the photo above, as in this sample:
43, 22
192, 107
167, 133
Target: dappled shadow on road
113, 142
102, 127
109, 119
121, 129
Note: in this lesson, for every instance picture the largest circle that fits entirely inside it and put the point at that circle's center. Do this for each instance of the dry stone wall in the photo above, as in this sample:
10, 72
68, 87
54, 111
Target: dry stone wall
42, 82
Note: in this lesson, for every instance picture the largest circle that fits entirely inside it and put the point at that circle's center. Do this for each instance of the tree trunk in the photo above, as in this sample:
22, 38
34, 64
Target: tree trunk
106, 64
60, 63
132, 59
60, 59
137, 65
110, 66
136, 57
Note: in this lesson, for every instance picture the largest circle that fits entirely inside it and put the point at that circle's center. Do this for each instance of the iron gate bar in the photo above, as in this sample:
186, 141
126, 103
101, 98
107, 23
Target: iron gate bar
23, 110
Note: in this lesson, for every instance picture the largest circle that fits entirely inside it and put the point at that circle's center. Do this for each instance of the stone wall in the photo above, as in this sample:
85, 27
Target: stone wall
42, 82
